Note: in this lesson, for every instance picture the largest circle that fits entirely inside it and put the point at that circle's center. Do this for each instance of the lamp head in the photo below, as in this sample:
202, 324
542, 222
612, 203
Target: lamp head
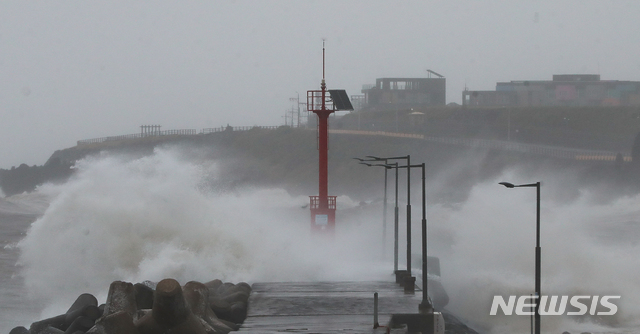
507, 184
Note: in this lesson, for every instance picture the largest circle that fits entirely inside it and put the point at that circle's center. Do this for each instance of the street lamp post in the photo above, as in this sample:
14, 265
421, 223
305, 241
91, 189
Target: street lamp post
395, 212
425, 306
408, 158
395, 225
384, 205
538, 249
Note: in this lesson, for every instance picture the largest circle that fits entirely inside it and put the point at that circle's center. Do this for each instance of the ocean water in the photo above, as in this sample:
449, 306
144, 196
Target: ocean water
16, 214
164, 216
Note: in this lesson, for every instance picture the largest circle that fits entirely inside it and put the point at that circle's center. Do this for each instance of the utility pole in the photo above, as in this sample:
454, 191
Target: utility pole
293, 111
297, 101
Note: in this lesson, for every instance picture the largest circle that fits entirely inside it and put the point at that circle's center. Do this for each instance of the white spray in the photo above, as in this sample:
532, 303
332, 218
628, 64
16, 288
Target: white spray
159, 216
490, 251
151, 218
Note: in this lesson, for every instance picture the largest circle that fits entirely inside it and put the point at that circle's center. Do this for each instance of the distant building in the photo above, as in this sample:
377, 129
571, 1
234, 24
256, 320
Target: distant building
563, 90
394, 93
358, 101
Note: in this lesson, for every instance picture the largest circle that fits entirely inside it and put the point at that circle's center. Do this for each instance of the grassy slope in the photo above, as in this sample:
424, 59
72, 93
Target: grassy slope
611, 128
287, 157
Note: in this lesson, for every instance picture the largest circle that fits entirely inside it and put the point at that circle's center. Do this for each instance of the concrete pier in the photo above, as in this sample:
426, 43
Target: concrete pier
325, 307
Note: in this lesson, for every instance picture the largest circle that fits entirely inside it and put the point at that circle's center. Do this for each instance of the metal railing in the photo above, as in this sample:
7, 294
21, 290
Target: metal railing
138, 135
180, 132
237, 128
314, 202
557, 152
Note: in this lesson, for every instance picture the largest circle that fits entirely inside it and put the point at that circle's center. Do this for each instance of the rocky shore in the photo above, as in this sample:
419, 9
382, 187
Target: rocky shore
149, 308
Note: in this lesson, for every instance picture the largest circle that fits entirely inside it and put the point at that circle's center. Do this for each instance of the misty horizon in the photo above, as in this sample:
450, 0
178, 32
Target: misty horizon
79, 70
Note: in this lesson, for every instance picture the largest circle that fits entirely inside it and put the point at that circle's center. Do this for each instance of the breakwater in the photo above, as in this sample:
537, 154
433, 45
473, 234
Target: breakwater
150, 308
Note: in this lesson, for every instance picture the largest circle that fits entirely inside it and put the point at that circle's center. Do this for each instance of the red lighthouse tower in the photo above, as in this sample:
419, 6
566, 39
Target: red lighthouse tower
323, 102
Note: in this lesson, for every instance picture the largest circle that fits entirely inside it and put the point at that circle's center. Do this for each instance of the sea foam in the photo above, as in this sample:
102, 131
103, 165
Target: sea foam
159, 216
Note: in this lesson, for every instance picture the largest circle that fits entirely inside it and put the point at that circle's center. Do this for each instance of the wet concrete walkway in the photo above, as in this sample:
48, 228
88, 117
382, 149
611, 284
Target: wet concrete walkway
325, 307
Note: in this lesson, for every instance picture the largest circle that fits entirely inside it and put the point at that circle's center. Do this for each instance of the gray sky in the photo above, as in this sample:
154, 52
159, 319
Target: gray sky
72, 70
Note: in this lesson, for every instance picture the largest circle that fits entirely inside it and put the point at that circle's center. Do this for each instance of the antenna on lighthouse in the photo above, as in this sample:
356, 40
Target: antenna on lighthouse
323, 85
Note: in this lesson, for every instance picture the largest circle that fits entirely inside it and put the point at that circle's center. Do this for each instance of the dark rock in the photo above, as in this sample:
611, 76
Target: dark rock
50, 330
244, 286
170, 313
84, 306
197, 297
170, 309
148, 325
142, 313
121, 297
220, 307
169, 306
207, 328
230, 324
238, 312
193, 325
55, 322
213, 285
150, 284
81, 324
144, 296
235, 313
222, 289
87, 311
237, 296
116, 323
19, 330
82, 301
